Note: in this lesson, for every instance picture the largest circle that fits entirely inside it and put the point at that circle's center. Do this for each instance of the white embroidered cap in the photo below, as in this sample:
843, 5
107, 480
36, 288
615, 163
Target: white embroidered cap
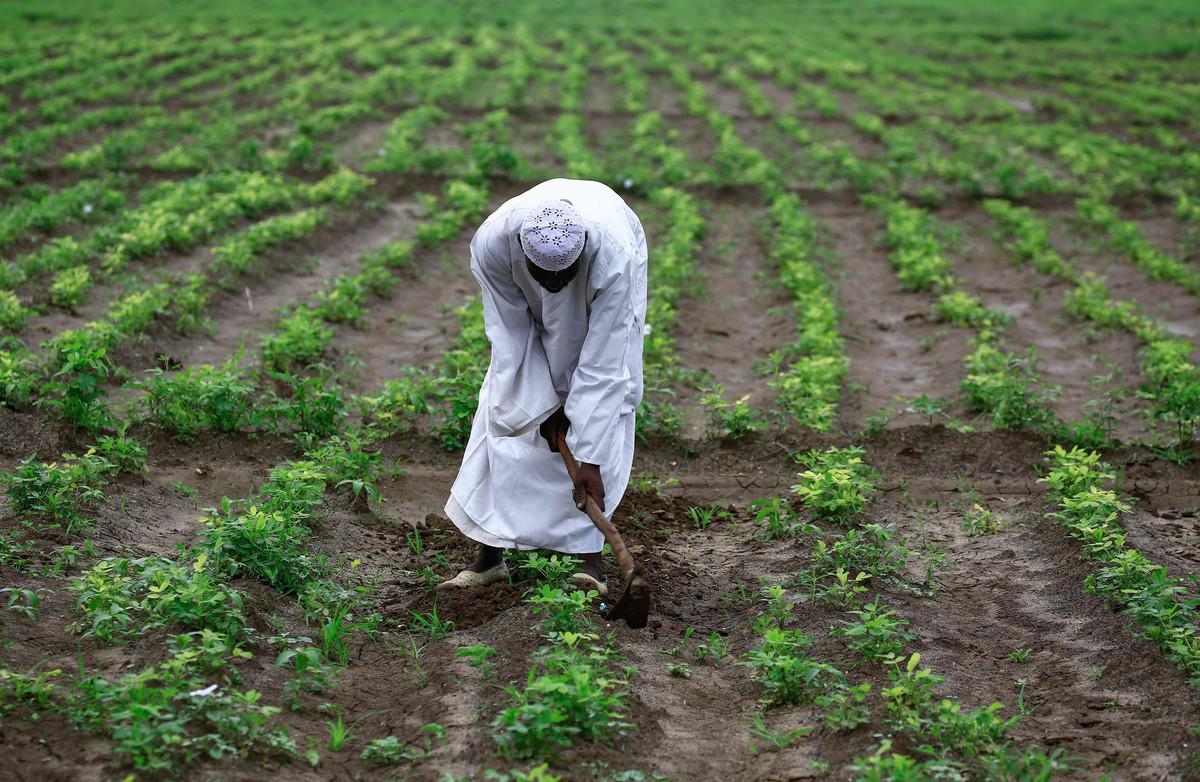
552, 235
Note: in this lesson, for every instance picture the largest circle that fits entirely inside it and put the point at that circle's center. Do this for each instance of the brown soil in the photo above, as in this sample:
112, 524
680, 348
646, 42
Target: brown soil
1018, 588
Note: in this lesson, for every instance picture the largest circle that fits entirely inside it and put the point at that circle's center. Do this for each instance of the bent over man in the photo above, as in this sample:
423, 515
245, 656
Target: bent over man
563, 273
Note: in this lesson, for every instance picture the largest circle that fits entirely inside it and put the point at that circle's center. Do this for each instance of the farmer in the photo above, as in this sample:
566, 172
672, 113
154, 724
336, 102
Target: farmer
563, 273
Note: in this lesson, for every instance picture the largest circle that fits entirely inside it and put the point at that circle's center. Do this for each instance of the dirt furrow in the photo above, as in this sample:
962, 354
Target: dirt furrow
1171, 305
896, 350
415, 324
738, 315
1088, 685
1084, 364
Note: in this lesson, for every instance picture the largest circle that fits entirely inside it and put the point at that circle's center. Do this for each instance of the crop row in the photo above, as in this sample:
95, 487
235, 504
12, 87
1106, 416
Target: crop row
1174, 382
844, 570
1123, 575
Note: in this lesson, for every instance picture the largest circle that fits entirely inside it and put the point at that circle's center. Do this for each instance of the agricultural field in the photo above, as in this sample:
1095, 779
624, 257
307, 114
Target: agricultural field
917, 486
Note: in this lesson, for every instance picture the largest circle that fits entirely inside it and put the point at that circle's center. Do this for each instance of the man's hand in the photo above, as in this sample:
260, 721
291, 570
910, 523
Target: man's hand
552, 427
588, 482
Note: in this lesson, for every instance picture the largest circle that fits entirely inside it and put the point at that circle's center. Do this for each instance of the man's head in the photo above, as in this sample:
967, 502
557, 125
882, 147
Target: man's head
553, 238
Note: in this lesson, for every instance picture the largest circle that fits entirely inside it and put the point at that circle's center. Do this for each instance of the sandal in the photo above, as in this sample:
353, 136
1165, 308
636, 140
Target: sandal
469, 578
585, 581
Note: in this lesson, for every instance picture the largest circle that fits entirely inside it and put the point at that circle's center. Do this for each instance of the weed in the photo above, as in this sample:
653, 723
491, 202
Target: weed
780, 520
339, 733
702, 517
651, 485
389, 751
26, 602
333, 634
1019, 655
309, 673
926, 406
774, 739
732, 420
714, 650
981, 521
431, 624
479, 656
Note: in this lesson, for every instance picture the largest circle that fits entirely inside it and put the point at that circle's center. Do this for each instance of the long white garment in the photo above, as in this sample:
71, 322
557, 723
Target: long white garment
580, 347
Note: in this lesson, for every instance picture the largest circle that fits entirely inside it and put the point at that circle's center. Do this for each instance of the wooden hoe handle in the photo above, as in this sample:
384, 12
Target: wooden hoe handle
624, 559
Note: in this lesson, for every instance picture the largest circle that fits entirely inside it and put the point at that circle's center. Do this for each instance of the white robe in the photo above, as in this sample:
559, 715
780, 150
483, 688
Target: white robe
580, 347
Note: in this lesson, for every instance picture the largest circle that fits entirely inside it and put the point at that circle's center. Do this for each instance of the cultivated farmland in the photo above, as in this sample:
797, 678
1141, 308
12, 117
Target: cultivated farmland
916, 487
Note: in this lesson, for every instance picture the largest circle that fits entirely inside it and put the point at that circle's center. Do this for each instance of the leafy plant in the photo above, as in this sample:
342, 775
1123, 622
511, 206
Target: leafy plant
733, 420
570, 694
431, 624
877, 634
310, 673
981, 521
339, 733
121, 597
774, 739
837, 484
389, 751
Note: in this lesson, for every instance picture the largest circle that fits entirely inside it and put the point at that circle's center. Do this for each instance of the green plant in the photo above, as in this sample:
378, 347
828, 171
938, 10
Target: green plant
779, 519
733, 420
431, 624
844, 706
787, 675
877, 634
837, 484
926, 406
1009, 388
121, 597
165, 717
479, 657
561, 608
702, 517
70, 285
309, 672
651, 485
123, 452
570, 694
35, 692
554, 570
23, 601
389, 751
715, 649
339, 733
333, 634
774, 739
58, 493
981, 521
298, 339
75, 391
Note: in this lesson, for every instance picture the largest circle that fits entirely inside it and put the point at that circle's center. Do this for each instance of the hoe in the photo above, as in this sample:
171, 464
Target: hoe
633, 606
